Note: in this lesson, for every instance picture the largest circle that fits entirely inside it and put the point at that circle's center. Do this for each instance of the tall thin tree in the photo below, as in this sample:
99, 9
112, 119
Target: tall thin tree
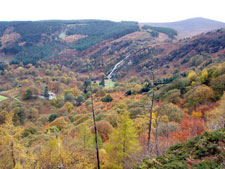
156, 136
95, 128
150, 120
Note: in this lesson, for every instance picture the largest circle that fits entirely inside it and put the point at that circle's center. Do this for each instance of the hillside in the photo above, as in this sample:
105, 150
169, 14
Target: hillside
138, 56
203, 151
191, 27
46, 132
118, 49
40, 40
52, 112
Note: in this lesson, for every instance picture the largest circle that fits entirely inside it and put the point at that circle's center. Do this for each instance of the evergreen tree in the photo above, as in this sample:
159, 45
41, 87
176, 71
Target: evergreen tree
123, 142
102, 83
27, 94
46, 94
87, 82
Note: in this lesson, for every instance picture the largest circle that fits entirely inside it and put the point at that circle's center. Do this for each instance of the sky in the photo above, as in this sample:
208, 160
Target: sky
115, 10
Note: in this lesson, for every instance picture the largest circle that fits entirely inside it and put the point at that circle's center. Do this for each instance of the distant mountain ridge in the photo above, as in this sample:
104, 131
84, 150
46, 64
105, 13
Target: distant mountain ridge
192, 26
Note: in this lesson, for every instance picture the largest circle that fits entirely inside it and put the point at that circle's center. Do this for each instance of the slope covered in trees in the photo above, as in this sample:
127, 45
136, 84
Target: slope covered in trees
65, 113
34, 41
184, 106
203, 151
170, 32
93, 45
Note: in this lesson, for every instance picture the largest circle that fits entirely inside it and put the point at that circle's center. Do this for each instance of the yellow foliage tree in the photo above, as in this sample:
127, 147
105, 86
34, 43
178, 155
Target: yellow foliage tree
216, 117
76, 91
66, 109
204, 76
54, 156
12, 153
197, 114
59, 123
191, 76
123, 143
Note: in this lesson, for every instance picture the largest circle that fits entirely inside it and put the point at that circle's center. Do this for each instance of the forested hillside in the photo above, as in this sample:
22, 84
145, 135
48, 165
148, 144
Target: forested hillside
40, 40
145, 52
93, 45
47, 105
112, 95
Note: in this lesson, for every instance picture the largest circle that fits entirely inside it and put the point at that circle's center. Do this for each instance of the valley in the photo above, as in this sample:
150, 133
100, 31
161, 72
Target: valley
112, 95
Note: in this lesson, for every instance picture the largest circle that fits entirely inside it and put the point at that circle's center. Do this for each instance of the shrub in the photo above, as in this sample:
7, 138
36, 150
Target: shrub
100, 93
100, 117
196, 60
59, 123
80, 118
198, 95
135, 111
113, 119
128, 93
52, 117
107, 98
27, 94
104, 129
154, 33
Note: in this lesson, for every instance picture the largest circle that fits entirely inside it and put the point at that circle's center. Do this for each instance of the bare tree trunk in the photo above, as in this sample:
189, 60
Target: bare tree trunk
13, 156
150, 120
84, 139
156, 139
96, 138
59, 147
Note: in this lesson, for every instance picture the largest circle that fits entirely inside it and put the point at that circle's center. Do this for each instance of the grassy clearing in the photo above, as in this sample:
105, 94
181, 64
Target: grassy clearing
4, 91
109, 83
3, 98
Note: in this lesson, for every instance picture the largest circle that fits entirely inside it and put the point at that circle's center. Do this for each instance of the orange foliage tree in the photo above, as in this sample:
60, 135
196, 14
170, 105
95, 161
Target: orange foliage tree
190, 127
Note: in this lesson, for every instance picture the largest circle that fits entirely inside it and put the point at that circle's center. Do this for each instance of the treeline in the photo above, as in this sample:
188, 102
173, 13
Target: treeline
41, 37
32, 31
101, 30
169, 31
205, 44
33, 54
148, 85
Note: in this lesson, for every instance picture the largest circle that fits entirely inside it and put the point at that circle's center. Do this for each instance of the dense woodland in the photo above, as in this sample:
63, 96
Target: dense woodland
164, 106
36, 40
155, 30
34, 126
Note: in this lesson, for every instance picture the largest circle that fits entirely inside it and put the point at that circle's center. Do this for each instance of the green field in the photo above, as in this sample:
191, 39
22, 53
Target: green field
109, 83
4, 91
3, 98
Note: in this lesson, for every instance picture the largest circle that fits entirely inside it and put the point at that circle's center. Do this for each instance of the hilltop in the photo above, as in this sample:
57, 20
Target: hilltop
192, 26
